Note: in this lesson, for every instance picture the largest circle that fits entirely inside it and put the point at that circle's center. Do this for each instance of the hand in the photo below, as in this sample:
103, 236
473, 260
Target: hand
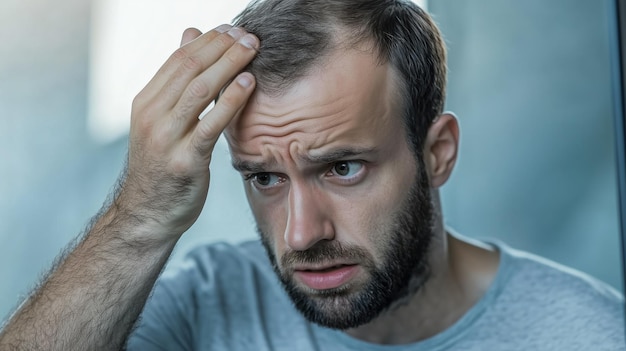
170, 149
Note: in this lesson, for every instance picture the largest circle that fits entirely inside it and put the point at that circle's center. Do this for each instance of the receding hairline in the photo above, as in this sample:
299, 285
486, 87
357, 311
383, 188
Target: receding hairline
394, 93
342, 38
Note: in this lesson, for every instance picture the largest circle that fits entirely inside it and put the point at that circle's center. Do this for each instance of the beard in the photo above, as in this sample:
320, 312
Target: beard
403, 270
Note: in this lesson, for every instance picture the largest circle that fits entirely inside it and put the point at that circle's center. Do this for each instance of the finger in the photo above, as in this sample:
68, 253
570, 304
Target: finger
231, 102
194, 45
193, 66
205, 87
202, 40
169, 68
189, 34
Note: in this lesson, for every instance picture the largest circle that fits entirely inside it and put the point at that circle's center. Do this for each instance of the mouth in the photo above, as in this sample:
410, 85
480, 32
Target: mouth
329, 277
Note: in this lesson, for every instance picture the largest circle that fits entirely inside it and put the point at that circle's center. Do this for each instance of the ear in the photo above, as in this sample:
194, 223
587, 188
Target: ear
441, 148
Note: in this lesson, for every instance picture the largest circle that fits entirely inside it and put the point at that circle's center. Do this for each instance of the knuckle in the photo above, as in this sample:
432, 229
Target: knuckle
144, 99
223, 42
198, 88
180, 54
232, 57
204, 141
143, 124
138, 101
230, 100
141, 117
206, 132
172, 89
192, 63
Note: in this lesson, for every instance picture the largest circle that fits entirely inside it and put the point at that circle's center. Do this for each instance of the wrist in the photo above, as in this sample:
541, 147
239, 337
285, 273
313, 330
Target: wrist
134, 226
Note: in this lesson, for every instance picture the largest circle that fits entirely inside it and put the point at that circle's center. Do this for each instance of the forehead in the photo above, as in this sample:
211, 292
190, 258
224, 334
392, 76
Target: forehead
350, 100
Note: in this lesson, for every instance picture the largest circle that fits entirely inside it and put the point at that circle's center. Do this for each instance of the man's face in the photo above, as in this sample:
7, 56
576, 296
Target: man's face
341, 204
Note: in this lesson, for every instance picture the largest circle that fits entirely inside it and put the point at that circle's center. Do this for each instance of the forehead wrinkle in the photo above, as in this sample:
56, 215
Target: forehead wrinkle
321, 94
334, 107
269, 149
308, 119
266, 159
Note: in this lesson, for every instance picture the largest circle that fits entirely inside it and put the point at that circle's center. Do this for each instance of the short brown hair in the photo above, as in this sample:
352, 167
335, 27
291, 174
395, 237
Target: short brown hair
296, 34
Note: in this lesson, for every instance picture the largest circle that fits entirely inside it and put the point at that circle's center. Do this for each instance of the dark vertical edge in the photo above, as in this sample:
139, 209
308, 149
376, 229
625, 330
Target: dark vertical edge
617, 33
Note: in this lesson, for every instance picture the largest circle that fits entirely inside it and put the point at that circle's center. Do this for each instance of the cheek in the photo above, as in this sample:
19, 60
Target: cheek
374, 222
270, 217
381, 208
361, 220
353, 218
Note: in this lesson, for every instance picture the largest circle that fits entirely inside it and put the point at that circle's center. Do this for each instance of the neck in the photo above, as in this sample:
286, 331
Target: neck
461, 273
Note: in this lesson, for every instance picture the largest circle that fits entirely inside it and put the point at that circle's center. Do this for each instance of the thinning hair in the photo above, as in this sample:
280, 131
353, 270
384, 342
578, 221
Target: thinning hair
296, 35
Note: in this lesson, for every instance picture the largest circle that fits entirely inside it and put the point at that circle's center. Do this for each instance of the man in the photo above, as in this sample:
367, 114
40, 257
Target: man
337, 128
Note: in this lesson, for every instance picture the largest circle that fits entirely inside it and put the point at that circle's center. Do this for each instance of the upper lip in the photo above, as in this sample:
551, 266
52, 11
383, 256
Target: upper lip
320, 267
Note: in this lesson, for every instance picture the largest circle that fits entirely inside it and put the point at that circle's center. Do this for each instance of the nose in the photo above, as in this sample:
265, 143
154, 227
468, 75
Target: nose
307, 220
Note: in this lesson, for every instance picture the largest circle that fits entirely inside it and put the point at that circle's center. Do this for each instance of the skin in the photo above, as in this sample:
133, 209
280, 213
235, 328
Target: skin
288, 148
91, 299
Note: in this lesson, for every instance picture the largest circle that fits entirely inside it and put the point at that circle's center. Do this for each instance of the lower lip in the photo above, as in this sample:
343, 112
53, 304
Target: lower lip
322, 280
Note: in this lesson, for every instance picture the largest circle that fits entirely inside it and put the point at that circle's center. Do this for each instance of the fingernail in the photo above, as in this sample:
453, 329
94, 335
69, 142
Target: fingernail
249, 41
236, 32
244, 80
223, 28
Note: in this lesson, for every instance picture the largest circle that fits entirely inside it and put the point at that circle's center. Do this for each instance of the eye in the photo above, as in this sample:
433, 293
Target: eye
264, 180
346, 169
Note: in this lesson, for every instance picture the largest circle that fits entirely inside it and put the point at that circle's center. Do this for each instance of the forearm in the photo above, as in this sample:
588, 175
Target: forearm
92, 299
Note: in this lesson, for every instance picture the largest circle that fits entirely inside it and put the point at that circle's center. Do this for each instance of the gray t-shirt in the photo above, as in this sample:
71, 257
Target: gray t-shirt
227, 297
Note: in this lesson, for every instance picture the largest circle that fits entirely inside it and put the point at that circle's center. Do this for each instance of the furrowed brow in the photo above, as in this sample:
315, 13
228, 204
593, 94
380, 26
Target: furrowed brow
250, 166
337, 155
328, 157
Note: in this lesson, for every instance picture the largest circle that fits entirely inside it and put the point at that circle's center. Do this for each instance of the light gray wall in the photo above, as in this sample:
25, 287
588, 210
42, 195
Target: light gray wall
43, 78
529, 80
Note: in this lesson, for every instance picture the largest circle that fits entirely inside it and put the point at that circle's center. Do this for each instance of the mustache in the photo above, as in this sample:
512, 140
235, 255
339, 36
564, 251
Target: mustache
327, 251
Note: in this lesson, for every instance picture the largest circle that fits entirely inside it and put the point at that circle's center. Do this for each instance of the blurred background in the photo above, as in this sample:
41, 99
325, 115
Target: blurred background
529, 80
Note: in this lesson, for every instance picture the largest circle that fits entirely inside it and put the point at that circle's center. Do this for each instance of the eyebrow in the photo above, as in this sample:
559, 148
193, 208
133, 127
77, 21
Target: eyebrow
328, 157
337, 155
251, 166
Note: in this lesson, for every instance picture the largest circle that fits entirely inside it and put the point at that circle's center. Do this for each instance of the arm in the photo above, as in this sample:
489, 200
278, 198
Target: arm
93, 297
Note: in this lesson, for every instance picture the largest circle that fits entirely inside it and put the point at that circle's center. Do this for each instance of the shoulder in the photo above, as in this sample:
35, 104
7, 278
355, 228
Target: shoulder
555, 303
557, 283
